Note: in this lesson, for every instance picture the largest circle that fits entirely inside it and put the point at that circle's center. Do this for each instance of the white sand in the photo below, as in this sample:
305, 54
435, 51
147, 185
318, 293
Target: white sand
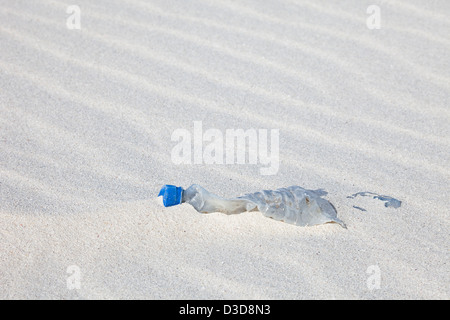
85, 127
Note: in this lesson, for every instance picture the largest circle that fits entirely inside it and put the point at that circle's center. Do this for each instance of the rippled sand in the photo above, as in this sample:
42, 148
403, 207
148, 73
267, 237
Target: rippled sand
86, 118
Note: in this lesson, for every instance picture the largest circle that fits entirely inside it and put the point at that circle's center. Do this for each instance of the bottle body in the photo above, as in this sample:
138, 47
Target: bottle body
293, 205
206, 202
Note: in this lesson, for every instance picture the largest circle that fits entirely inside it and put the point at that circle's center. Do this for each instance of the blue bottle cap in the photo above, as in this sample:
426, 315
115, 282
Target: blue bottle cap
172, 195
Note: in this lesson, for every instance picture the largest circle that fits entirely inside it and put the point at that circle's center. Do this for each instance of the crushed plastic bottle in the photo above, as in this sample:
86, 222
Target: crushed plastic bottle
293, 205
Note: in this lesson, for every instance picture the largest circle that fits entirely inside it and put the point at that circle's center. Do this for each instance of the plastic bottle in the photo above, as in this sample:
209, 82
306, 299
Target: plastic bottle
293, 205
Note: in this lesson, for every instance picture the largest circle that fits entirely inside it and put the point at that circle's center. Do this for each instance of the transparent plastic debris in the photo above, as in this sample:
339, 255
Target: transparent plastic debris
389, 202
294, 205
